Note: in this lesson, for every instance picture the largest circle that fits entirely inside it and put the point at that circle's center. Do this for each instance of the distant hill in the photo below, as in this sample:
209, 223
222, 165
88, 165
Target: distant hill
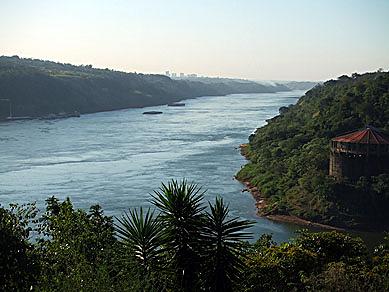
241, 84
38, 87
289, 157
300, 85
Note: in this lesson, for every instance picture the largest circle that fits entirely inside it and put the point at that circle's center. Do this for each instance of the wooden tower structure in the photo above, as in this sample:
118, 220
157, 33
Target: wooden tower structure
359, 153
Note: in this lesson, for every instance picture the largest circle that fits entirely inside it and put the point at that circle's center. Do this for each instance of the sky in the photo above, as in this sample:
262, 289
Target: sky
251, 39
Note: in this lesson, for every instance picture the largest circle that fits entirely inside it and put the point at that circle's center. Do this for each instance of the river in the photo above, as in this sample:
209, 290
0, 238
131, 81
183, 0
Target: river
117, 158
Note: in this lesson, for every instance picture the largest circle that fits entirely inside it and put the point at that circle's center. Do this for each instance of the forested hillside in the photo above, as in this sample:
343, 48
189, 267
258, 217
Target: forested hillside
289, 157
38, 87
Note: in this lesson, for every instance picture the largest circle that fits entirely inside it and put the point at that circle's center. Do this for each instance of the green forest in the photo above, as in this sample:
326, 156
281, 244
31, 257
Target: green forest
289, 157
37, 88
179, 244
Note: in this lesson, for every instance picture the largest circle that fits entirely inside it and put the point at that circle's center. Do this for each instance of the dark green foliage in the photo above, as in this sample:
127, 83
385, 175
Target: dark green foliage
326, 261
345, 265
38, 87
18, 261
332, 247
340, 277
74, 250
380, 262
76, 247
196, 250
181, 209
223, 250
289, 157
272, 267
143, 235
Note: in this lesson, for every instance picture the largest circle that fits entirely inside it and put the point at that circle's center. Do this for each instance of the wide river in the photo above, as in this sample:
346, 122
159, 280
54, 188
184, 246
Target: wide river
117, 158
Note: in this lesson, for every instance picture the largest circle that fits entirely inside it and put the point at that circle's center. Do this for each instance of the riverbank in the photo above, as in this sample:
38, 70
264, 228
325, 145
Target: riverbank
261, 203
36, 88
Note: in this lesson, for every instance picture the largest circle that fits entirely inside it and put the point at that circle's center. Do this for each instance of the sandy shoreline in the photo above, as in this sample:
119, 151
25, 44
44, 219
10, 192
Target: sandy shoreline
261, 203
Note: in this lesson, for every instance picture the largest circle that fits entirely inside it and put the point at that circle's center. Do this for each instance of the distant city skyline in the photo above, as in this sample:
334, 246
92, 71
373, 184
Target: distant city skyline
182, 74
252, 39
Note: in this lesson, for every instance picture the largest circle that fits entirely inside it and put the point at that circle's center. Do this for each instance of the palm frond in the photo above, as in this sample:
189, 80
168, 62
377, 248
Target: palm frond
143, 234
223, 238
181, 211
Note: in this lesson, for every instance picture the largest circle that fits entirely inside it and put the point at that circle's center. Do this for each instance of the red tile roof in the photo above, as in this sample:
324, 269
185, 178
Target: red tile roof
366, 136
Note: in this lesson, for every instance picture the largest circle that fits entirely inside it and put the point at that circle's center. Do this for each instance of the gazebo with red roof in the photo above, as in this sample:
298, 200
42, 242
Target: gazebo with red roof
360, 153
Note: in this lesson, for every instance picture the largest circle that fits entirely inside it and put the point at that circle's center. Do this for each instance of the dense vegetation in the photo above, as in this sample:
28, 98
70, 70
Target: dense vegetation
289, 157
181, 246
38, 87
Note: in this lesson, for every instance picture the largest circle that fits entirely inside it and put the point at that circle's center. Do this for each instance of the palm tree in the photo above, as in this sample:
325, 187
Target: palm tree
223, 254
181, 214
143, 235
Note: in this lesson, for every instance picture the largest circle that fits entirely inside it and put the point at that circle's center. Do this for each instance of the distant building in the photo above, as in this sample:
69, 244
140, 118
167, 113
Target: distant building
174, 75
192, 75
360, 153
182, 75
167, 73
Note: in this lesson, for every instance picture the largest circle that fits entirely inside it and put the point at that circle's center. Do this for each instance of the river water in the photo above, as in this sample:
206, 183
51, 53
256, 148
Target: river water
117, 158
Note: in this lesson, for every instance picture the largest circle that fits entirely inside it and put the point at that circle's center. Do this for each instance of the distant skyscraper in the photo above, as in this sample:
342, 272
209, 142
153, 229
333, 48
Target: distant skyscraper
167, 73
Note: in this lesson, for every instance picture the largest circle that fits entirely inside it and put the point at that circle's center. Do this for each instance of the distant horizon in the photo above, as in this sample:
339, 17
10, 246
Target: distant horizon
298, 40
199, 74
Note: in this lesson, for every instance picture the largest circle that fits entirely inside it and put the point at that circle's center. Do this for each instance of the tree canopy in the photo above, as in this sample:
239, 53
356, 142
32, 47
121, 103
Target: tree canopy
289, 157
78, 250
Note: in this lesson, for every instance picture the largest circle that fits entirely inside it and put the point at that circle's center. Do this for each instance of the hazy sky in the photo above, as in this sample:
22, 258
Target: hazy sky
254, 39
